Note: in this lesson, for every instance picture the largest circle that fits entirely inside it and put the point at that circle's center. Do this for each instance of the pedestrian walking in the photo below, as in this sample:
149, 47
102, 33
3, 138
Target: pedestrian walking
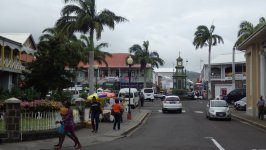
95, 111
117, 114
122, 103
67, 127
260, 105
141, 99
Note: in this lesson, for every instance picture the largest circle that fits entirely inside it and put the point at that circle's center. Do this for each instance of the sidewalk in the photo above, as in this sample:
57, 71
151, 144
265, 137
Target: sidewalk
86, 137
241, 115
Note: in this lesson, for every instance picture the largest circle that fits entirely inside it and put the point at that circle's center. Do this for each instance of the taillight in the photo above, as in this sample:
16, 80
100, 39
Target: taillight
166, 102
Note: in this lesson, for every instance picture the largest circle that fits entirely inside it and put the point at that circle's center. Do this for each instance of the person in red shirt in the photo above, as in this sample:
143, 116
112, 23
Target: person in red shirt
117, 114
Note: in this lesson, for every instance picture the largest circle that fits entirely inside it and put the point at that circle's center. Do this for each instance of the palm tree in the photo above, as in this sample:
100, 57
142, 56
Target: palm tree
99, 55
81, 16
206, 37
143, 56
246, 28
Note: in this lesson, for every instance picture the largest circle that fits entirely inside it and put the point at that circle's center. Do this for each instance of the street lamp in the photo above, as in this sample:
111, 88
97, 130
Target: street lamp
129, 62
96, 68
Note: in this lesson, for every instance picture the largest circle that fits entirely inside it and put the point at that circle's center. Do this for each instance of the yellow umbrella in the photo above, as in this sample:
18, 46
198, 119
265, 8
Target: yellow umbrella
90, 96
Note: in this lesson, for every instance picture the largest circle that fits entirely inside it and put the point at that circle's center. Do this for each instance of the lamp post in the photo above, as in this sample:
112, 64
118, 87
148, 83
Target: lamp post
96, 68
129, 62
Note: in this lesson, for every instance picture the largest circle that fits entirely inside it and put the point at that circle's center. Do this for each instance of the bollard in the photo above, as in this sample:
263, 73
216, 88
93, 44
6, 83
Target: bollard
12, 119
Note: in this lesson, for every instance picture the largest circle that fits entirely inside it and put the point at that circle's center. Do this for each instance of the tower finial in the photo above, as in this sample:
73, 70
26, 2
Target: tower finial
179, 53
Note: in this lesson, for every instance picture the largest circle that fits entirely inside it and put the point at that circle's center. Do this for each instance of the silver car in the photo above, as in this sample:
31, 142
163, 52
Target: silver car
218, 109
171, 103
241, 104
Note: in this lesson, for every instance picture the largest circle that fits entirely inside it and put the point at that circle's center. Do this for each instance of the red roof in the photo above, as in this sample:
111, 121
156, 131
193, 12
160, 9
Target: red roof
118, 60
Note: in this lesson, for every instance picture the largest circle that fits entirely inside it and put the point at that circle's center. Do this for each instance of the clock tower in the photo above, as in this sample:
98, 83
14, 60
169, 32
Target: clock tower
179, 78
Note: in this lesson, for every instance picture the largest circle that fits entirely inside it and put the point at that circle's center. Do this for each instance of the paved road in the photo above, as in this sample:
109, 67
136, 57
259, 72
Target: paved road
189, 130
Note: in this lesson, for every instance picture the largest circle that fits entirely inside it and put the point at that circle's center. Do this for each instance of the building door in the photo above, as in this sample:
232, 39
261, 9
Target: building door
223, 92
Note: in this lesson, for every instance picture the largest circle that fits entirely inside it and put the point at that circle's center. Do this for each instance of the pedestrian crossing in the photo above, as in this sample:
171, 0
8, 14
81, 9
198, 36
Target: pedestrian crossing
183, 111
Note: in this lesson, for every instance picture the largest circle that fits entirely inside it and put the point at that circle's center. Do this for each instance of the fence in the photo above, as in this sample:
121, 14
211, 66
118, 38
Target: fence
38, 121
17, 125
2, 122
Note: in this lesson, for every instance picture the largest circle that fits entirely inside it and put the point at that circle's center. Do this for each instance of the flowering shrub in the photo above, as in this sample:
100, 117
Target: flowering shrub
40, 105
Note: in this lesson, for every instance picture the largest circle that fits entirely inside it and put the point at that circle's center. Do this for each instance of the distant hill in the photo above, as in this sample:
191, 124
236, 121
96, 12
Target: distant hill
193, 76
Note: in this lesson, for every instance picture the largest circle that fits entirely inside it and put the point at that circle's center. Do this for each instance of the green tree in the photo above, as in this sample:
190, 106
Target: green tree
81, 16
246, 28
206, 37
56, 50
143, 56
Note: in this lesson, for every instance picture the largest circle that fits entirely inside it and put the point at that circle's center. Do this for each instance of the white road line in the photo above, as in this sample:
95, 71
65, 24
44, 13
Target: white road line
199, 112
162, 111
217, 144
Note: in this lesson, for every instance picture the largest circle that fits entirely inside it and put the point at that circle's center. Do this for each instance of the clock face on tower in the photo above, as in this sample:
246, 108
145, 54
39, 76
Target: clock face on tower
179, 63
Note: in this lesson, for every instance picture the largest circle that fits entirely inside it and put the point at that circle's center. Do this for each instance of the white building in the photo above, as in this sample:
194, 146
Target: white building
165, 77
221, 73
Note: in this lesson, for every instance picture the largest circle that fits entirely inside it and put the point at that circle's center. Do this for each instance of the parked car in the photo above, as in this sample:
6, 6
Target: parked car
134, 96
218, 109
235, 95
171, 103
159, 95
148, 94
241, 104
190, 95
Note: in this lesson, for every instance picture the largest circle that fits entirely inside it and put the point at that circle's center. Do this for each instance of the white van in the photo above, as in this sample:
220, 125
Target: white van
134, 96
148, 94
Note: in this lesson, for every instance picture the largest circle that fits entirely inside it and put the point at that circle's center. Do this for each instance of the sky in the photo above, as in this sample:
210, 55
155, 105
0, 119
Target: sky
168, 25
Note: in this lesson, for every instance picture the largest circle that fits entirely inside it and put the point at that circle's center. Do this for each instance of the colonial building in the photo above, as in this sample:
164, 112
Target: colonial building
117, 70
16, 49
221, 73
255, 52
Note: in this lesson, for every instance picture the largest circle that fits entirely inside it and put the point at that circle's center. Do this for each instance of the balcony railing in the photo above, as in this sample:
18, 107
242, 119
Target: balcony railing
215, 76
13, 65
228, 76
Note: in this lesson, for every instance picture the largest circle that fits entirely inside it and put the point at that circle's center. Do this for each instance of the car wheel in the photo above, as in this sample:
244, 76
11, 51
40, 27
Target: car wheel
180, 111
133, 107
229, 119
163, 111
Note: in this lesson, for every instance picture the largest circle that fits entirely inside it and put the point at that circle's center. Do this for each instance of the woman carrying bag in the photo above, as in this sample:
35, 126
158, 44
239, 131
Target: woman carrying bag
117, 114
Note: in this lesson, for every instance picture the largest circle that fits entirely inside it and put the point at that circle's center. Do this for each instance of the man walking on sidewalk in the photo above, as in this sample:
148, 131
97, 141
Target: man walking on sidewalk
95, 111
260, 105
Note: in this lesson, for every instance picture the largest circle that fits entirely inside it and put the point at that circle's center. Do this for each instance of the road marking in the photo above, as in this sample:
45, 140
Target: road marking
216, 143
162, 111
198, 112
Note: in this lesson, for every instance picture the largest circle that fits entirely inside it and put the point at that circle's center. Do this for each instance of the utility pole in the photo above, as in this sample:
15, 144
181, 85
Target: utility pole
233, 70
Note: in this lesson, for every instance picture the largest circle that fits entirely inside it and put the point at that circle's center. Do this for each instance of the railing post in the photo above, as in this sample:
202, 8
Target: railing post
12, 119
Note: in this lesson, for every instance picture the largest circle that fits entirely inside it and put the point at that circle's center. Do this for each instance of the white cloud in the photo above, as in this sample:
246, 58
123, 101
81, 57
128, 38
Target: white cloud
169, 25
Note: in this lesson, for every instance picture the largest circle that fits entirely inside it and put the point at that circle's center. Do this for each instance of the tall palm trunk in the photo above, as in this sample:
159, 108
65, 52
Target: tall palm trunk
91, 64
144, 78
209, 74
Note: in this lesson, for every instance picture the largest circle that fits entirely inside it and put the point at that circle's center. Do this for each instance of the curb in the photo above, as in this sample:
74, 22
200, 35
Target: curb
249, 121
136, 125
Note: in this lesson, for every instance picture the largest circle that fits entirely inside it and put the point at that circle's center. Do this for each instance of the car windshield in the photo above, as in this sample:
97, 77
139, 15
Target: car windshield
219, 104
172, 99
148, 90
126, 95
